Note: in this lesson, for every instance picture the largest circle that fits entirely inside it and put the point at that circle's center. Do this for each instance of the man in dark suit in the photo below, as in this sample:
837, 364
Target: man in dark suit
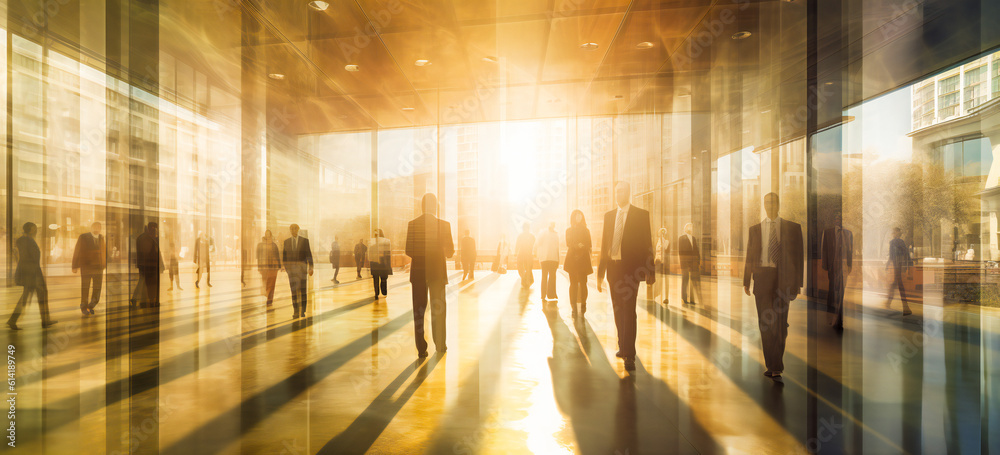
468, 248
774, 263
29, 275
627, 259
149, 262
838, 253
89, 261
690, 259
360, 251
428, 244
297, 260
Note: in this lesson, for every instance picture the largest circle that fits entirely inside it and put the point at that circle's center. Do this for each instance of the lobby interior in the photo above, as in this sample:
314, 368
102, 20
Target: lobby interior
221, 120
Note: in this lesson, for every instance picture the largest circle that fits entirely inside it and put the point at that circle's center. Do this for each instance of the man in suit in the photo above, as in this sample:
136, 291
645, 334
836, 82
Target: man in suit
690, 259
149, 262
360, 251
89, 261
335, 259
774, 263
29, 274
428, 244
524, 248
297, 259
838, 253
627, 259
468, 247
203, 258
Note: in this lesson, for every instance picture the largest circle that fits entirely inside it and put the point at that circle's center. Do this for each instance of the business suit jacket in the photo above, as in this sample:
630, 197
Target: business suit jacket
89, 253
147, 253
689, 252
428, 243
29, 263
636, 248
790, 257
303, 254
830, 261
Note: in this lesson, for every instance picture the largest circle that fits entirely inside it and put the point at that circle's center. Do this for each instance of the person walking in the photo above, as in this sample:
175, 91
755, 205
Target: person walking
360, 251
29, 276
548, 257
577, 263
428, 244
173, 267
335, 259
89, 261
524, 248
838, 255
203, 247
380, 262
268, 264
900, 261
298, 263
149, 262
468, 247
690, 259
662, 261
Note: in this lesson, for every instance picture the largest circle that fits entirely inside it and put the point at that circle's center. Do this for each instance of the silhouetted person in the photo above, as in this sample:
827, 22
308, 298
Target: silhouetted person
89, 260
899, 260
838, 253
503, 253
28, 274
690, 258
627, 259
468, 248
268, 264
173, 267
380, 262
548, 258
428, 244
203, 258
577, 264
335, 259
774, 263
524, 249
149, 262
662, 260
360, 251
297, 260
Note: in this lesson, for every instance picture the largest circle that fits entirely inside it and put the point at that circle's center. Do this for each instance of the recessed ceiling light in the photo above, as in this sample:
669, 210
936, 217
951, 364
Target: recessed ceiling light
318, 5
408, 109
743, 34
684, 95
644, 45
490, 59
765, 111
276, 76
422, 62
828, 84
352, 68
589, 46
619, 97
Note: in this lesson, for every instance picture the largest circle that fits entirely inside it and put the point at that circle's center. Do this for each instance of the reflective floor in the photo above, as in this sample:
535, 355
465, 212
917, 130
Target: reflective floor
223, 375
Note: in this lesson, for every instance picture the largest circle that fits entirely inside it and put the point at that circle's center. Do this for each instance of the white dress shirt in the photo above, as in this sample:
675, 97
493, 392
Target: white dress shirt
765, 232
616, 250
548, 246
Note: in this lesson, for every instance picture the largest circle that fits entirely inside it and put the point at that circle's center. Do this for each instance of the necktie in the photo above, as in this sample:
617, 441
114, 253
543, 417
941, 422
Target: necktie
616, 243
772, 244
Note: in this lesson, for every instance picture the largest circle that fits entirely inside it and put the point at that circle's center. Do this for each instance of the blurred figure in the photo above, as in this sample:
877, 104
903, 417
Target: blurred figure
503, 253
468, 248
89, 260
380, 262
838, 253
268, 264
548, 256
900, 261
28, 274
203, 247
360, 251
525, 258
627, 258
690, 258
150, 263
662, 261
298, 262
428, 244
774, 263
335, 259
173, 267
577, 264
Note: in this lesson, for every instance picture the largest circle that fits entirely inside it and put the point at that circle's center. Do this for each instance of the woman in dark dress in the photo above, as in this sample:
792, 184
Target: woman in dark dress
577, 264
29, 275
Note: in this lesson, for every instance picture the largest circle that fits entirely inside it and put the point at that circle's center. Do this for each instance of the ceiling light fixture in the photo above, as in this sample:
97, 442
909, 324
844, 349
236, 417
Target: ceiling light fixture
644, 45
743, 34
352, 68
490, 59
684, 95
422, 62
276, 76
319, 5
619, 97
589, 46
407, 109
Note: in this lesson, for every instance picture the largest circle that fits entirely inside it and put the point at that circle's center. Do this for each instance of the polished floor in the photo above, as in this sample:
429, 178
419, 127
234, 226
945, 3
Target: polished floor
214, 372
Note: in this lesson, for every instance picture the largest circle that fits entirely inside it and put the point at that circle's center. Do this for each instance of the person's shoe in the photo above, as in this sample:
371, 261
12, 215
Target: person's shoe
84, 310
422, 355
13, 326
209, 284
49, 324
907, 311
630, 364
776, 375
336, 281
666, 302
887, 304
180, 288
619, 355
196, 285
295, 315
131, 302
91, 311
171, 288
768, 373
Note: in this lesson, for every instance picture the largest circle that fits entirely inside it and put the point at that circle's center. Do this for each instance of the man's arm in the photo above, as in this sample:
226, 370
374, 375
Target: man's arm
647, 249
76, 254
309, 254
602, 261
748, 265
449, 245
410, 240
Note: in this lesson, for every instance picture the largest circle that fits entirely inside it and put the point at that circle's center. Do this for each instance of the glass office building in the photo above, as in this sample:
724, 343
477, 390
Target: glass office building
221, 120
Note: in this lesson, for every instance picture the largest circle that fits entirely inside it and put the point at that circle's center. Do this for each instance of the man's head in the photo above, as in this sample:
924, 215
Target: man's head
152, 228
428, 204
897, 232
268, 236
771, 205
30, 229
468, 233
95, 228
689, 229
838, 219
294, 230
623, 193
